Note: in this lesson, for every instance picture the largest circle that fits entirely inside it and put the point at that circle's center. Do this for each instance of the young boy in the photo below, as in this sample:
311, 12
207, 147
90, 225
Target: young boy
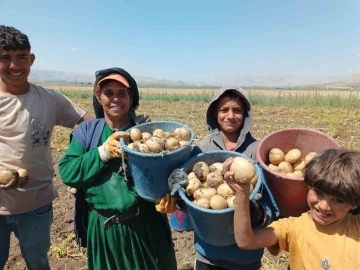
327, 236
228, 118
28, 114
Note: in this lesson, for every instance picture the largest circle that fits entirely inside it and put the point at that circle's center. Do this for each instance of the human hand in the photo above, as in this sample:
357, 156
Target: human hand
237, 187
166, 205
111, 147
8, 179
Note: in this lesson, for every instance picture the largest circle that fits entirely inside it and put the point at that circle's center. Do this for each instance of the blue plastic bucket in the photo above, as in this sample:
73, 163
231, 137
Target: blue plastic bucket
180, 220
215, 227
151, 171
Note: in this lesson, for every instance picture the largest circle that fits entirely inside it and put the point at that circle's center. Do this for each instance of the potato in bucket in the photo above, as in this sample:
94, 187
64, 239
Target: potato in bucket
211, 210
150, 171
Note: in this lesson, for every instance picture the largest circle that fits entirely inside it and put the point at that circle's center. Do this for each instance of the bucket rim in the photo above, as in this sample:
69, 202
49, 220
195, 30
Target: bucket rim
162, 155
276, 174
256, 189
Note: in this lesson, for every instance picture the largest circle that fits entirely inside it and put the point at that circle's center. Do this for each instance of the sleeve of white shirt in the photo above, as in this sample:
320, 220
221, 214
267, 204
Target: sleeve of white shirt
68, 113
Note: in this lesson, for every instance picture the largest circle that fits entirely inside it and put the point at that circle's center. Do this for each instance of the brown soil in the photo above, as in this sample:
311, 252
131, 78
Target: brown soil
64, 254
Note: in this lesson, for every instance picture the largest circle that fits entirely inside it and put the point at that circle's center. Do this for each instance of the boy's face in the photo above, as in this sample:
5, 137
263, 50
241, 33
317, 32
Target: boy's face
326, 209
230, 114
15, 66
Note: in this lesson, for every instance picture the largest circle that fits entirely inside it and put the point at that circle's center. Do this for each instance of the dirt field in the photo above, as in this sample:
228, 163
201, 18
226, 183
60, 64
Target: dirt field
341, 123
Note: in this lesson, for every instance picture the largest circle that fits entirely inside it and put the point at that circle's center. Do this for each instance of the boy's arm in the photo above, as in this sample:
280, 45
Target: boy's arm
245, 236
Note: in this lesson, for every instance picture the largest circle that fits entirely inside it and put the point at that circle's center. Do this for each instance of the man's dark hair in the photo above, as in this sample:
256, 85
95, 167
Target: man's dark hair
13, 39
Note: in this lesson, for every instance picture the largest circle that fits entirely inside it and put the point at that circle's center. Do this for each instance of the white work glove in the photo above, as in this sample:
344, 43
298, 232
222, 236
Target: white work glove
111, 147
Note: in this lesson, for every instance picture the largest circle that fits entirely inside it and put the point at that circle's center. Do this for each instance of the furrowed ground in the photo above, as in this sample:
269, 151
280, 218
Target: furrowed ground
333, 112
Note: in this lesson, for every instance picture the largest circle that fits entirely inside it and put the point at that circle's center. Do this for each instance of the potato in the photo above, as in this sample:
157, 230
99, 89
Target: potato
224, 190
166, 134
183, 143
217, 202
201, 170
131, 146
135, 146
244, 170
309, 157
158, 133
285, 167
274, 168
293, 156
23, 173
217, 166
191, 175
154, 145
276, 156
193, 185
204, 193
299, 166
184, 134
135, 134
298, 173
291, 174
254, 180
202, 202
231, 201
214, 179
146, 136
172, 144
176, 133
143, 148
7, 175
23, 176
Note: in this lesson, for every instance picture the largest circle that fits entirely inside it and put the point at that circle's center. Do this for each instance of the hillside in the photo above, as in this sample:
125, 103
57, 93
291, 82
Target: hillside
353, 80
46, 76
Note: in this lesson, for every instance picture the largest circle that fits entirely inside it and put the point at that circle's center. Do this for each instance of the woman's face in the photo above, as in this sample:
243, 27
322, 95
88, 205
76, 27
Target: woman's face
230, 114
115, 100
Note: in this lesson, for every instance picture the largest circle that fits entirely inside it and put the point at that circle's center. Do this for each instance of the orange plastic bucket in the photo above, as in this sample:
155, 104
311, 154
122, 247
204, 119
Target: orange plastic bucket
290, 192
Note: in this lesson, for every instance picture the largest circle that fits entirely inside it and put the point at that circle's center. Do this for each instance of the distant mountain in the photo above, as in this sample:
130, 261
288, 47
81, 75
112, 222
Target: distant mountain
353, 80
281, 81
46, 76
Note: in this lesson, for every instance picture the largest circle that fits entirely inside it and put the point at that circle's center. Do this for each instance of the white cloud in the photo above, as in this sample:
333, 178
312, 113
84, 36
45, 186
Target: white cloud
74, 49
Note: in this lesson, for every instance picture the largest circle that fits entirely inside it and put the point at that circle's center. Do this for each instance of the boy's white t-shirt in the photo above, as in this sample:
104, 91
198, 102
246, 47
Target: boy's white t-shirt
26, 126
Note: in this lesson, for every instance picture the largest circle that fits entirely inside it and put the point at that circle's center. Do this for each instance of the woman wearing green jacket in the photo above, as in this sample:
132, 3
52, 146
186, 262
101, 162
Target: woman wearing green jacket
123, 230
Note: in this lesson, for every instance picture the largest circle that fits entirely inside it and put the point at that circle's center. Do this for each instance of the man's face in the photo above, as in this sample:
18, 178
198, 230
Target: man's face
15, 67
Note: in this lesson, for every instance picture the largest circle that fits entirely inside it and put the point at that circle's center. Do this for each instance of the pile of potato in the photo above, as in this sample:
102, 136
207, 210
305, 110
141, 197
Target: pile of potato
159, 141
207, 189
290, 164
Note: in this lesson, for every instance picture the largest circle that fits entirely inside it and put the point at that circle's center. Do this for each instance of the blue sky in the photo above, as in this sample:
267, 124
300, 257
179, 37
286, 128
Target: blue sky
191, 40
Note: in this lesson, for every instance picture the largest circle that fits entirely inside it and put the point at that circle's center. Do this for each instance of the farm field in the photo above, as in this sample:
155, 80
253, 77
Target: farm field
186, 91
340, 121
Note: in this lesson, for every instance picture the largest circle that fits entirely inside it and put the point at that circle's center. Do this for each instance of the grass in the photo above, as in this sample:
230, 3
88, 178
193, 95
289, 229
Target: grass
282, 98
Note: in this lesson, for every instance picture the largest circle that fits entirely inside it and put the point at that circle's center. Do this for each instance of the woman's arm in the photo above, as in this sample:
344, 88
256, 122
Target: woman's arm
79, 169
